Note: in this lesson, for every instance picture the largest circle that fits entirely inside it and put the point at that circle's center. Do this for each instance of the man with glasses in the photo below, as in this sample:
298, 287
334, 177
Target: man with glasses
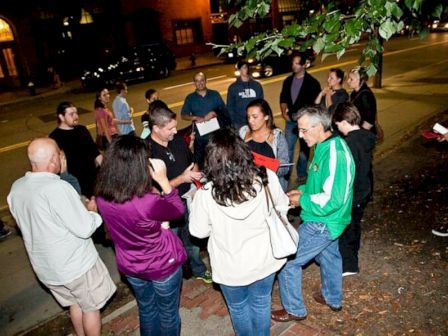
326, 201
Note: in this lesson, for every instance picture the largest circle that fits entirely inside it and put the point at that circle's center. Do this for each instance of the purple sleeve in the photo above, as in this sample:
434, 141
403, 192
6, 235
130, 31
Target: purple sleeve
165, 207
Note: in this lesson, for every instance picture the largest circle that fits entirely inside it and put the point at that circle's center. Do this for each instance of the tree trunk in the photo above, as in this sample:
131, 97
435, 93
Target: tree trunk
379, 74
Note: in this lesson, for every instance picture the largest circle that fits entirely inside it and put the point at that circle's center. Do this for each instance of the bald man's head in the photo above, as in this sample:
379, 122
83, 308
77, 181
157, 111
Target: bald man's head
43, 154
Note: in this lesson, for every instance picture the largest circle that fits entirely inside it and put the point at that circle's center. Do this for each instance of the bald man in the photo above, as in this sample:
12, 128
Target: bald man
200, 106
56, 229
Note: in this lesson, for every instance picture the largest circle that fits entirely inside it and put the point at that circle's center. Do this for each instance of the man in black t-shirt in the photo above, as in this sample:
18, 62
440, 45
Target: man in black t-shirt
81, 152
181, 171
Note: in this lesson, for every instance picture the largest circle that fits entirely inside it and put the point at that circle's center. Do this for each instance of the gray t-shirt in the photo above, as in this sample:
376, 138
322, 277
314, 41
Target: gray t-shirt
296, 86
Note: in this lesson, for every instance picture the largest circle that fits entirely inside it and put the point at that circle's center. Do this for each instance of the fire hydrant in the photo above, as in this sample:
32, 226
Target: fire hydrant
31, 88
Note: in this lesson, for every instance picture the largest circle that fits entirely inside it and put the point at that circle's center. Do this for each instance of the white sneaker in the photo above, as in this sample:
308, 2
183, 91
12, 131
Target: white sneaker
348, 273
441, 232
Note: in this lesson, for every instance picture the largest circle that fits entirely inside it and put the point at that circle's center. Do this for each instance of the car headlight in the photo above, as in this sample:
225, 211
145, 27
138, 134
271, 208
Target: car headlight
230, 55
446, 25
256, 74
434, 25
251, 60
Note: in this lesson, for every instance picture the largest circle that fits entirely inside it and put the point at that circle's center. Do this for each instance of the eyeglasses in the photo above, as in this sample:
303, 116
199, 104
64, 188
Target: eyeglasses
305, 130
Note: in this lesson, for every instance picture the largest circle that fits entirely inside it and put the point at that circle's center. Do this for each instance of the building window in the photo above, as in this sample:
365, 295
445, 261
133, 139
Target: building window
187, 32
288, 5
10, 64
5, 32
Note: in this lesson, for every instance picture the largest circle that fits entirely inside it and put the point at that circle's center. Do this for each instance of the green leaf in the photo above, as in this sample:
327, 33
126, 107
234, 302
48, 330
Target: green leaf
387, 29
324, 56
340, 53
424, 33
437, 12
318, 45
371, 69
263, 9
286, 43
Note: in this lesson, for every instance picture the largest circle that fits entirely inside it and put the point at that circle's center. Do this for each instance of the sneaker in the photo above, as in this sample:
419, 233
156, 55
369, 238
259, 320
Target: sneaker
441, 232
348, 273
4, 233
206, 277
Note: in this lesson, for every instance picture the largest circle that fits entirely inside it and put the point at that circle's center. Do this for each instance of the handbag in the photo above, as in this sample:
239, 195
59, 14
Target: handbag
284, 237
379, 131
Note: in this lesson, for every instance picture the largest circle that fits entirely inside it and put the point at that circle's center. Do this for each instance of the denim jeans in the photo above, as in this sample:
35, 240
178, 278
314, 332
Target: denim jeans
315, 243
291, 135
250, 306
198, 267
158, 304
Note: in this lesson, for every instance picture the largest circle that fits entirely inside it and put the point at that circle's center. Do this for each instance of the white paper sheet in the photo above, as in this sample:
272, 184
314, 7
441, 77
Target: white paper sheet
207, 127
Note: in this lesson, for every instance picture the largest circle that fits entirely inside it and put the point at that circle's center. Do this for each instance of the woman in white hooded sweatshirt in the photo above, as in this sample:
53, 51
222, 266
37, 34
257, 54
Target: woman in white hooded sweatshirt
231, 209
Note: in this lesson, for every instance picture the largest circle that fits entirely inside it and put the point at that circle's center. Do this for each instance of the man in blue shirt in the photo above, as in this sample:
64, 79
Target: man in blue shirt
123, 112
200, 106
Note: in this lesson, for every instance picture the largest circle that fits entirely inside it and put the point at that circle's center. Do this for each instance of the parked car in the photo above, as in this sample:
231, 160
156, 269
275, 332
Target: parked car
275, 65
440, 26
150, 61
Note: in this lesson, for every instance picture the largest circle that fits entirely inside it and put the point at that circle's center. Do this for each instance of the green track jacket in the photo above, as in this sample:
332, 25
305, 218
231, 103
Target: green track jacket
328, 192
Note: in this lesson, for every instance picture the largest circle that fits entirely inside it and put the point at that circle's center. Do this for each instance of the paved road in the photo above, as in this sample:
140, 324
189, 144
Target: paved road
415, 87
19, 124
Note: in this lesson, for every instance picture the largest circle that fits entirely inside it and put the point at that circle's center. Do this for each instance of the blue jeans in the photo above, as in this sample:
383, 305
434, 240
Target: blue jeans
198, 267
291, 135
250, 306
315, 243
158, 304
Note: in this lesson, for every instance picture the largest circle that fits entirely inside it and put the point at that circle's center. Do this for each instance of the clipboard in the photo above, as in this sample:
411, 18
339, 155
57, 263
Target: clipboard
208, 126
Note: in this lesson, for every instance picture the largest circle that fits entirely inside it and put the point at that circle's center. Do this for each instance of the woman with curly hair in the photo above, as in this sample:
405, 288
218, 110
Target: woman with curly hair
147, 253
231, 209
263, 137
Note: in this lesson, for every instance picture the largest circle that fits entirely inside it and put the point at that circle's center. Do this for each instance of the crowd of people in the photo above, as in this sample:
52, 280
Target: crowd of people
161, 194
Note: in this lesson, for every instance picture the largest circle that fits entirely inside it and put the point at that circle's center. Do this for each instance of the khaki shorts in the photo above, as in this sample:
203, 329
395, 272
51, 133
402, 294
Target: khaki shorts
90, 291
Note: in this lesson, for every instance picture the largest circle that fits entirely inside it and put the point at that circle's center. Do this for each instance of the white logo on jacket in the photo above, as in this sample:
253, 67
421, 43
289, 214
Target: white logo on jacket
248, 93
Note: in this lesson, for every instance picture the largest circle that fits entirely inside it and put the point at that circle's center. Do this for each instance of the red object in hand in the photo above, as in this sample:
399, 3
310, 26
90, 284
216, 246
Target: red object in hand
430, 135
197, 183
269, 163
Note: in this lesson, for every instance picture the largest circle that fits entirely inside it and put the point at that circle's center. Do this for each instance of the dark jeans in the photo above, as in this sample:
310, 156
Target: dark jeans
197, 266
350, 240
158, 304
200, 142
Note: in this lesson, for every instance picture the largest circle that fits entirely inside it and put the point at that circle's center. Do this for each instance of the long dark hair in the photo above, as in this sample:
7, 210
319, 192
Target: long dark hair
229, 164
124, 172
98, 103
265, 109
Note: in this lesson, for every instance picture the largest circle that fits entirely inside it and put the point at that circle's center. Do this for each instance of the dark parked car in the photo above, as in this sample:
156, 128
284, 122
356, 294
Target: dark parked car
439, 26
150, 61
275, 65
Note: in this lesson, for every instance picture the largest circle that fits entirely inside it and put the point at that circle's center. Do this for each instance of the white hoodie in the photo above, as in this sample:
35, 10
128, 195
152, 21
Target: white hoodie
239, 245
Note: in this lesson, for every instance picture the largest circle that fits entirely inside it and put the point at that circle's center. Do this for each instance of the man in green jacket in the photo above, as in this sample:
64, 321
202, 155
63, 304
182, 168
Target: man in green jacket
326, 201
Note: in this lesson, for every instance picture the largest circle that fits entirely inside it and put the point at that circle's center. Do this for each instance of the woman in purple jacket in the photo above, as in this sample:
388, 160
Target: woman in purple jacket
147, 253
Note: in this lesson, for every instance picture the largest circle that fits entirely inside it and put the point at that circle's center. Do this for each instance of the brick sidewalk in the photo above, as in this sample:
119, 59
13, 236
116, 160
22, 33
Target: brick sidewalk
204, 312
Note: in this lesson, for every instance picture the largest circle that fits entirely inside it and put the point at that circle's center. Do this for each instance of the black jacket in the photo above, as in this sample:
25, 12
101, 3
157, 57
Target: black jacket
308, 93
361, 143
